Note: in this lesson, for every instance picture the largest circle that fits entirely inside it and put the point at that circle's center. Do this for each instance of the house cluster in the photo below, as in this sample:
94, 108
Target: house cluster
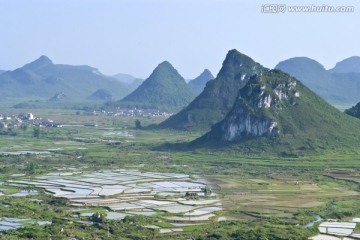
28, 119
132, 113
140, 113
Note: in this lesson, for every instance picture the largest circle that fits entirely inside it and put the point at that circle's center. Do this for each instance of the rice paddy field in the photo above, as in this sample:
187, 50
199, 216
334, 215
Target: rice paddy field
117, 182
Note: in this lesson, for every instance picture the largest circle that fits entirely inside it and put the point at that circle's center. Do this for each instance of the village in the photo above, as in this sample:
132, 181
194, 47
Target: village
131, 112
24, 120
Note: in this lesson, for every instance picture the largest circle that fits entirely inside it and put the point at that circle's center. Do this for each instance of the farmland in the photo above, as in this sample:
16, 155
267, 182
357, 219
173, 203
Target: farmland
92, 182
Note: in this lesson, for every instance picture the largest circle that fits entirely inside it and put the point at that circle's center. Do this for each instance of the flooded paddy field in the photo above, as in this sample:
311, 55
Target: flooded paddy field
173, 197
15, 223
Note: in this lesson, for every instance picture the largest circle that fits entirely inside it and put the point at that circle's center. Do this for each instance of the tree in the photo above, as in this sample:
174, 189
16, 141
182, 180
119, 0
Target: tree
31, 167
36, 132
138, 124
24, 127
97, 218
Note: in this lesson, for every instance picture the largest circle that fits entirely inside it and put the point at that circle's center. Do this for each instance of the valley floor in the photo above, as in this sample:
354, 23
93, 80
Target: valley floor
255, 195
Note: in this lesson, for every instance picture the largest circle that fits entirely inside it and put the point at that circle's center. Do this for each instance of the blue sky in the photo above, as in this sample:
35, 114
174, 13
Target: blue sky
134, 36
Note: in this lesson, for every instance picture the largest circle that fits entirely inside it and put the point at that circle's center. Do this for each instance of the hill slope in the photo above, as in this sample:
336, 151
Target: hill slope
44, 79
354, 111
198, 84
276, 112
165, 89
348, 65
218, 96
101, 95
135, 84
335, 86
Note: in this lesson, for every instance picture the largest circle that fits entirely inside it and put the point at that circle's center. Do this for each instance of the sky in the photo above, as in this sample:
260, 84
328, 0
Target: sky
134, 36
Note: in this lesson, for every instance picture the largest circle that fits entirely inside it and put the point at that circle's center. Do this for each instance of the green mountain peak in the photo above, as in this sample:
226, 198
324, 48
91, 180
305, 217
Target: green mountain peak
164, 89
218, 96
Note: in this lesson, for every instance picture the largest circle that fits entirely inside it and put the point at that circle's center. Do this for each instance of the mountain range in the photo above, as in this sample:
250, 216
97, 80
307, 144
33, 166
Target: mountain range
253, 109
276, 112
339, 85
42, 78
198, 84
164, 89
219, 95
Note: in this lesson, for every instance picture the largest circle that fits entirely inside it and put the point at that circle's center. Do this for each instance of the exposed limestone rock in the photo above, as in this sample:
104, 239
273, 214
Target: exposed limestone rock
255, 112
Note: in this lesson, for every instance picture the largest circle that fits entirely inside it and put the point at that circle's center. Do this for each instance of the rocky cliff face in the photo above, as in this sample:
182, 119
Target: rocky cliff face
249, 126
257, 109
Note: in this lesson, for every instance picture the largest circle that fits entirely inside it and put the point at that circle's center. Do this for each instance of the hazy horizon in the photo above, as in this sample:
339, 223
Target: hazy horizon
134, 36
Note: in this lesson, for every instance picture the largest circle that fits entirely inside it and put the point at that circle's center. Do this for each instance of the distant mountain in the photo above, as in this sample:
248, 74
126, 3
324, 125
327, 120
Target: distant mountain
275, 112
124, 78
131, 82
219, 95
135, 84
101, 95
58, 97
198, 84
42, 78
354, 111
334, 87
2, 71
313, 75
165, 89
349, 65
349, 87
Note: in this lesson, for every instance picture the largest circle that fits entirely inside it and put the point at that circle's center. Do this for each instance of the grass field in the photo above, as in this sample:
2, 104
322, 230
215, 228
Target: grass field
260, 191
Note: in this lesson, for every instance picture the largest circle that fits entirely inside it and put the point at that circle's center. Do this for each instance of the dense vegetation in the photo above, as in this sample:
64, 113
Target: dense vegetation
165, 89
304, 120
218, 96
